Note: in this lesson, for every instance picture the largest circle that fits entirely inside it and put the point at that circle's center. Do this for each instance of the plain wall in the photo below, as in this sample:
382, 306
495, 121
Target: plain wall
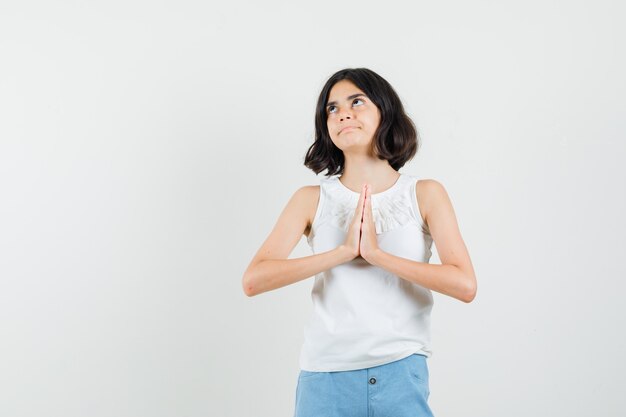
147, 149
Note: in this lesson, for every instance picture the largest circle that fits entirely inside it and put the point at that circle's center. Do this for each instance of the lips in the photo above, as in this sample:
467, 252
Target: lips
347, 127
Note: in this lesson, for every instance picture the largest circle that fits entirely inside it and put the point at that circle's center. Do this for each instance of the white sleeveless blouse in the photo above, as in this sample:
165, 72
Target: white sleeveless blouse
363, 315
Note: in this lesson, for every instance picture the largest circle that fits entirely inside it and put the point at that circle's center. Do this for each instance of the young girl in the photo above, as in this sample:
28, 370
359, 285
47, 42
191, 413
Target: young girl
370, 228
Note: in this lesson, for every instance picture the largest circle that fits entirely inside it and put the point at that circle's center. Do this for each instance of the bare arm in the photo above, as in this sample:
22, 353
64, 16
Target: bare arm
455, 276
445, 279
270, 269
270, 274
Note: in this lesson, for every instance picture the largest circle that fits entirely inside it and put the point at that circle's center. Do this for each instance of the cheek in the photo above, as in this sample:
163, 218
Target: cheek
371, 115
330, 129
376, 120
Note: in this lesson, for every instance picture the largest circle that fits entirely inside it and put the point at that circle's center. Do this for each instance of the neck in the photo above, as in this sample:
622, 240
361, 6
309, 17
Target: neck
360, 169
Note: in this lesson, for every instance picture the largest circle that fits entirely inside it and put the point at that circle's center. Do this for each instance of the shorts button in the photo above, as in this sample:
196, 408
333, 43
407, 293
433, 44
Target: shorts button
372, 381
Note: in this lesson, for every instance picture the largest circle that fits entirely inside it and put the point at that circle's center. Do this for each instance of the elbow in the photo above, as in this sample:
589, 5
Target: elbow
248, 288
250, 281
470, 291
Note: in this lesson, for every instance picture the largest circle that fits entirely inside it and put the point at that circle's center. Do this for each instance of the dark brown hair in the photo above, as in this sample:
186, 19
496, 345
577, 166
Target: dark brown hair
395, 140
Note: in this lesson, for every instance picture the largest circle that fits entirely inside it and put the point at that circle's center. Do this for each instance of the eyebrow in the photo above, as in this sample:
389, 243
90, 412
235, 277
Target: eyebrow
332, 103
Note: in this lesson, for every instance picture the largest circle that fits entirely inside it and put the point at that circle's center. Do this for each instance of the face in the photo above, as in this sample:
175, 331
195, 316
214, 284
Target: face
352, 118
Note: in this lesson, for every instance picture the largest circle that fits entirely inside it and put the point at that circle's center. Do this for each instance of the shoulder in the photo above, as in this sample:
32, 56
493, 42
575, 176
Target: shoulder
430, 193
429, 185
308, 192
305, 195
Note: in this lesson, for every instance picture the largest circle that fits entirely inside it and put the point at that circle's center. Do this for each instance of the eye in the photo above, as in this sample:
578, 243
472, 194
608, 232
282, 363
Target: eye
329, 108
357, 99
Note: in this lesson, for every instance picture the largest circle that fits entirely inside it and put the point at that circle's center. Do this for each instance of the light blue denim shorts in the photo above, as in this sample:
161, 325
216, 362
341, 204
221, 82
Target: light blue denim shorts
396, 389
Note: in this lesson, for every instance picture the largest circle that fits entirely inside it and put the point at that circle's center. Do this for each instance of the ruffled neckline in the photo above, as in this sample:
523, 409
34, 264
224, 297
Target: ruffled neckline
391, 208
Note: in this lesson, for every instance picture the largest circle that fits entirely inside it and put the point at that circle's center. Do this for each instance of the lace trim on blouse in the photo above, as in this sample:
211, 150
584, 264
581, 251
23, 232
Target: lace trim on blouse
391, 208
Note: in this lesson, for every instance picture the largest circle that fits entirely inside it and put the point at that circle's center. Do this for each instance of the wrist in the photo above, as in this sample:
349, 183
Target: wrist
346, 253
374, 257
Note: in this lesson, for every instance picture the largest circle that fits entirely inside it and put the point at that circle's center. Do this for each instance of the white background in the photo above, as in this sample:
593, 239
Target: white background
147, 149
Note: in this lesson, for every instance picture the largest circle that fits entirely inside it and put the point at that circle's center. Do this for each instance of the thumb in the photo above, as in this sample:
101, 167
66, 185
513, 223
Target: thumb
358, 212
364, 202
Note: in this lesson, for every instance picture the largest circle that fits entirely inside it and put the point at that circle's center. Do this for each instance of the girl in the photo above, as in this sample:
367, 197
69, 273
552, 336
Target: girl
370, 228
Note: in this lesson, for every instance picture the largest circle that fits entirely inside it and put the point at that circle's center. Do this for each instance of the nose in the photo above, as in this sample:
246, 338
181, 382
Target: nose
345, 114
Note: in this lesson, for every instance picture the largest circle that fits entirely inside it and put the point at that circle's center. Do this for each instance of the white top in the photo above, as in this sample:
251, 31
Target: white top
363, 315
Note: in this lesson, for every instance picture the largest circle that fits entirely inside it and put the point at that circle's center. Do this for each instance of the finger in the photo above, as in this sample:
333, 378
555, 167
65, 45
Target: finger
367, 210
368, 198
358, 211
369, 203
364, 203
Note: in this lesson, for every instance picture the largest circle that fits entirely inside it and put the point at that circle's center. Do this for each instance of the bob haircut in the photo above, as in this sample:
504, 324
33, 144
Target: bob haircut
395, 140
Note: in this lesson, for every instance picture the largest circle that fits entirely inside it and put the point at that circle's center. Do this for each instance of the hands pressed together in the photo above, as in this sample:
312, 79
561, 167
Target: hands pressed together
361, 237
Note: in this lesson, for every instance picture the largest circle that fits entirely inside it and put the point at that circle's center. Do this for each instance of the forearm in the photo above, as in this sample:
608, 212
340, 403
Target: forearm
271, 274
445, 279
